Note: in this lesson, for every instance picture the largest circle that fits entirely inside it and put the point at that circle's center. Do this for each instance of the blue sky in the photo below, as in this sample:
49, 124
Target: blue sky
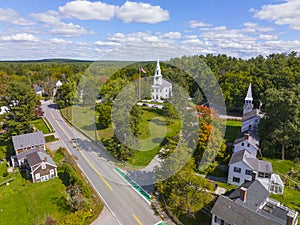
145, 30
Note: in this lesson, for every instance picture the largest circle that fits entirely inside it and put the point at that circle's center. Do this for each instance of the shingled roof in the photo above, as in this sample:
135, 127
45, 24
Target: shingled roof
252, 140
256, 194
28, 140
251, 161
251, 114
257, 208
37, 157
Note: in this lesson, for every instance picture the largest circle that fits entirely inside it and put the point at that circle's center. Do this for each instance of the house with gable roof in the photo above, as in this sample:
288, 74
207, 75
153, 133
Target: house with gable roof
41, 166
38, 89
250, 204
30, 155
243, 164
25, 144
248, 142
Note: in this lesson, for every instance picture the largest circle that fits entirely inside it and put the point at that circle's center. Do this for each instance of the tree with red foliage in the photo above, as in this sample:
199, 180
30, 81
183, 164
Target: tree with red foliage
210, 141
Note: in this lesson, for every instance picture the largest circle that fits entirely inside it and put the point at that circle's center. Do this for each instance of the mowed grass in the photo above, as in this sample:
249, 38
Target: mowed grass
83, 117
23, 202
233, 128
40, 125
290, 197
283, 166
152, 130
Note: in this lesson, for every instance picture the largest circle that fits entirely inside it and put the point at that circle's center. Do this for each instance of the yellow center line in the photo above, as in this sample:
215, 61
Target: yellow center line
137, 219
86, 159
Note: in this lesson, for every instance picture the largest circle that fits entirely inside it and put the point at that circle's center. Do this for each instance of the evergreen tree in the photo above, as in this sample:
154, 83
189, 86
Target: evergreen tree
21, 101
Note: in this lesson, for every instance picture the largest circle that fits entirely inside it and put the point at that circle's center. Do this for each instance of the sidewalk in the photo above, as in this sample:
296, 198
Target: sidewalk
105, 218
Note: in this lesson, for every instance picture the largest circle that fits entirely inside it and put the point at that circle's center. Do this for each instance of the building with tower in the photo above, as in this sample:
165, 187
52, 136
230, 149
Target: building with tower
251, 116
243, 162
161, 89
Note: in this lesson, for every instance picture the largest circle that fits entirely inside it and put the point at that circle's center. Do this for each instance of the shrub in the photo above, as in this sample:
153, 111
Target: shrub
5, 174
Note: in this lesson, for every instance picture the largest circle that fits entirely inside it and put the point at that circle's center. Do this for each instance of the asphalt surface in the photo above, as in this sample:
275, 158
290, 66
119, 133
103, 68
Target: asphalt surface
126, 205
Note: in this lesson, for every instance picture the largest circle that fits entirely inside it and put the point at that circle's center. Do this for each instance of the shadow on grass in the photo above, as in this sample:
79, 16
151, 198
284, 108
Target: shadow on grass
61, 203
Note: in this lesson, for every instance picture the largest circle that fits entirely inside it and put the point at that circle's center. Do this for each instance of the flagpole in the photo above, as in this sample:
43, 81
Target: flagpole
139, 83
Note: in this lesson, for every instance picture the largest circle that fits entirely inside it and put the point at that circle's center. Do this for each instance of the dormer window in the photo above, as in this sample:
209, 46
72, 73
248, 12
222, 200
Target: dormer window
43, 165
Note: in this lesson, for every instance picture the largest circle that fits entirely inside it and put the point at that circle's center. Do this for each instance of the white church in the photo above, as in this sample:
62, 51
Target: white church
161, 89
244, 165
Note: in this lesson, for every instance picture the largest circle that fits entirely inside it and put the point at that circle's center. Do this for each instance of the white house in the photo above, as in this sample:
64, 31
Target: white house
248, 142
41, 166
38, 89
161, 89
57, 85
243, 165
251, 116
3, 109
250, 204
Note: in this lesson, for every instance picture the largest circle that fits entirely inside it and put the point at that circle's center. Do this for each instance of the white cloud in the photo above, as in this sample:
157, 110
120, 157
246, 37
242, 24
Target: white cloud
86, 10
267, 37
193, 42
131, 12
70, 30
19, 37
171, 35
107, 43
50, 17
287, 13
220, 28
59, 41
191, 36
195, 23
250, 24
11, 16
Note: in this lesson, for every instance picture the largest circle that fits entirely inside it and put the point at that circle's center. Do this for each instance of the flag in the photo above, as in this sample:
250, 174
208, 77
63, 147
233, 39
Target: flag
142, 70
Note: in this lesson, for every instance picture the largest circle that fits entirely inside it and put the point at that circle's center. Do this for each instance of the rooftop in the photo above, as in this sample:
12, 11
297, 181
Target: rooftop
250, 138
28, 140
251, 161
252, 113
37, 157
255, 208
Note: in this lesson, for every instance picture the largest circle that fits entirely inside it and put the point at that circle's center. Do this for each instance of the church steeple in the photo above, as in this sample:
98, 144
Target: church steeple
248, 106
157, 75
157, 71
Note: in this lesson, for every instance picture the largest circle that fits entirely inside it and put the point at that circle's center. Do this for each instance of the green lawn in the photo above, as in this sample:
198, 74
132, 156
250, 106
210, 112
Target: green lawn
83, 117
290, 198
149, 144
283, 166
23, 202
227, 186
233, 128
40, 125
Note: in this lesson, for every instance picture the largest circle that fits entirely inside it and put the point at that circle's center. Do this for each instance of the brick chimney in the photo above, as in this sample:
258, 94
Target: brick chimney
290, 220
243, 194
45, 159
254, 175
247, 135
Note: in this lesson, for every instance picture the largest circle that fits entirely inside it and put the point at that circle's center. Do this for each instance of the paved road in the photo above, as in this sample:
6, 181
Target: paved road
126, 205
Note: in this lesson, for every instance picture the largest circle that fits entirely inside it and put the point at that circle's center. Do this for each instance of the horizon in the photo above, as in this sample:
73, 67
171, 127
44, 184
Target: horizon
138, 30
